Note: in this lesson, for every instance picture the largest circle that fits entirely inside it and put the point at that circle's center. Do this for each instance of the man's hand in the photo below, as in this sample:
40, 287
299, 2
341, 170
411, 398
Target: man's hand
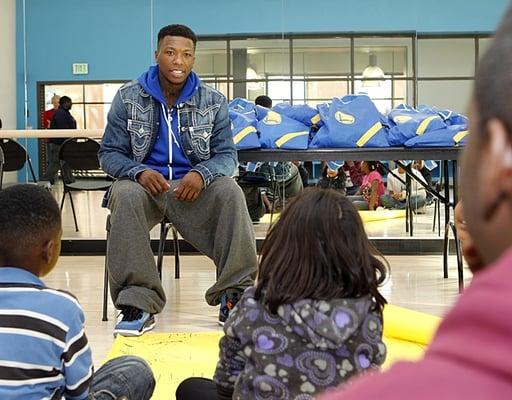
190, 187
469, 250
153, 181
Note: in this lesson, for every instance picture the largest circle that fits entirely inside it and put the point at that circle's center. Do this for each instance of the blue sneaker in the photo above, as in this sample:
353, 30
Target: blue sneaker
134, 322
228, 301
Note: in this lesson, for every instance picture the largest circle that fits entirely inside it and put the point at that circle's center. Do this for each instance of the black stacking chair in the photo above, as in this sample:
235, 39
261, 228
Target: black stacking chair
81, 155
14, 157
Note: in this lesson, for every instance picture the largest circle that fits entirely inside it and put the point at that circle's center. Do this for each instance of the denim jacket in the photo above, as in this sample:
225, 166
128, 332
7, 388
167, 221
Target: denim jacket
133, 124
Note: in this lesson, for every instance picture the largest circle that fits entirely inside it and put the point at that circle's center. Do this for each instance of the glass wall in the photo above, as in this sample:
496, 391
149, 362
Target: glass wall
313, 69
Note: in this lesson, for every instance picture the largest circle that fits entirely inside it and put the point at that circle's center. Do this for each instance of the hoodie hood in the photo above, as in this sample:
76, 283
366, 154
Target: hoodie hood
150, 81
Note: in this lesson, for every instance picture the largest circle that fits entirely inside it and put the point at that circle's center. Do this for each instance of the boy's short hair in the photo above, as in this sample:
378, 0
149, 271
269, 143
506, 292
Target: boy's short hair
28, 215
177, 30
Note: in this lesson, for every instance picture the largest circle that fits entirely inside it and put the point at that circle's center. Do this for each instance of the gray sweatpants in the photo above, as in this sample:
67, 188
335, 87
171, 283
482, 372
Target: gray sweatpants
217, 224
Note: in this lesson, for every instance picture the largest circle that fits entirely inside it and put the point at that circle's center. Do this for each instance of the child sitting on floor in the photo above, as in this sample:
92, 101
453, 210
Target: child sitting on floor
333, 176
372, 187
44, 352
314, 318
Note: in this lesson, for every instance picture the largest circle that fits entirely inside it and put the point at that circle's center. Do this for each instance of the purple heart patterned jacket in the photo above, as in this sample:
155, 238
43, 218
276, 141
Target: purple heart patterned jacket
305, 348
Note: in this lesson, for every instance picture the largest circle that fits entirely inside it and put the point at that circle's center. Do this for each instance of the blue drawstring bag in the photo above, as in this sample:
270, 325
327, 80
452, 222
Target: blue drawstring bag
451, 136
280, 132
406, 122
261, 112
351, 121
245, 134
301, 112
453, 118
243, 106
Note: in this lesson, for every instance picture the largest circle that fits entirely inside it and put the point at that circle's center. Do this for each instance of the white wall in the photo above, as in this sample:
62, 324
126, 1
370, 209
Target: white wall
8, 63
8, 69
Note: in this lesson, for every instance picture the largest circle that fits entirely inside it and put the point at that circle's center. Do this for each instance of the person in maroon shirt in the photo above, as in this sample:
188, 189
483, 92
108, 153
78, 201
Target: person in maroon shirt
469, 357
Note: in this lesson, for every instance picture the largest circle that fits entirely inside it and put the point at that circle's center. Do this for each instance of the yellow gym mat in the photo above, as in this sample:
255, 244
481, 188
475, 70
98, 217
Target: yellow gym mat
381, 215
366, 216
177, 356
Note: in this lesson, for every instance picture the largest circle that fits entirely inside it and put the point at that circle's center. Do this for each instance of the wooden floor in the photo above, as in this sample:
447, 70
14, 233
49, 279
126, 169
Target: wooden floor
415, 282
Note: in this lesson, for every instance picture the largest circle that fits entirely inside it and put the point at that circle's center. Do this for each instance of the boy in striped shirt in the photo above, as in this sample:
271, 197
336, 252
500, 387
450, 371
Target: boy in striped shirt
44, 352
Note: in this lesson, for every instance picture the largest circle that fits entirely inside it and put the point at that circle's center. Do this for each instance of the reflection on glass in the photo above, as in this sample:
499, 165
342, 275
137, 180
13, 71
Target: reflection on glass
91, 101
392, 55
260, 66
454, 95
211, 59
483, 45
446, 57
321, 57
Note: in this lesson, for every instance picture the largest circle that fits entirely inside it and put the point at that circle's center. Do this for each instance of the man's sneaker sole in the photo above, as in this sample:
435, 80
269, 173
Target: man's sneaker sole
132, 333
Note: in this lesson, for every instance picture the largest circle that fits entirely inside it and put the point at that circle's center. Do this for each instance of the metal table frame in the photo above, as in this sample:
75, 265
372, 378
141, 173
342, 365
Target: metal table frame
443, 154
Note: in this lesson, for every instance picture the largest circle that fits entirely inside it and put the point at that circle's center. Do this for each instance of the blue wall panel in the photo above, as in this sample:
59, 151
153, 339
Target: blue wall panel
116, 37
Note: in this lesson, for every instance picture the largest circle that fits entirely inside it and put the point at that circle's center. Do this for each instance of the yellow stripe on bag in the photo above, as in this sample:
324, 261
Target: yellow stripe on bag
315, 119
460, 135
289, 136
369, 134
424, 124
243, 133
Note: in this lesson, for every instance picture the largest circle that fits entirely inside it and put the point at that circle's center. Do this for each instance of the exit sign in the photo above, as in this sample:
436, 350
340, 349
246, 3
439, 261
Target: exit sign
80, 69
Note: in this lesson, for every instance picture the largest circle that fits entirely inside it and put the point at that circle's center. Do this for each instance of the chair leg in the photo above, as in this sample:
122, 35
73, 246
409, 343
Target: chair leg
436, 203
72, 207
164, 229
460, 267
176, 253
105, 278
439, 218
62, 201
105, 292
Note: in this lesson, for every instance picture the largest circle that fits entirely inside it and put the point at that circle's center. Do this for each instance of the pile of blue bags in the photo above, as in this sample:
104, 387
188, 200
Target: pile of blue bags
349, 121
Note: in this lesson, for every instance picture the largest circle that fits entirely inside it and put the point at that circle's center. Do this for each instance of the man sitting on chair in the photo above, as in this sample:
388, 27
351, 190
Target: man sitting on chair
169, 143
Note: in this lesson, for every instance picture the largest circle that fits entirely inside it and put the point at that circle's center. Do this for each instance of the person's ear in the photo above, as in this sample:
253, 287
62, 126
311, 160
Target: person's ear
48, 251
496, 170
156, 55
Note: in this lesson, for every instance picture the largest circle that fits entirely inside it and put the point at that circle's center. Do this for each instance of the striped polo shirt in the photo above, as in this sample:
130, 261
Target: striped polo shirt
44, 352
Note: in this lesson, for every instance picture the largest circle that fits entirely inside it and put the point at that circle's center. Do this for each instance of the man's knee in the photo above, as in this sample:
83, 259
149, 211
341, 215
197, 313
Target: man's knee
127, 192
227, 189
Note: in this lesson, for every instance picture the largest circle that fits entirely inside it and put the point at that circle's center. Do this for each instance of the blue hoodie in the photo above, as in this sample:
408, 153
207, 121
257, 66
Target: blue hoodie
170, 161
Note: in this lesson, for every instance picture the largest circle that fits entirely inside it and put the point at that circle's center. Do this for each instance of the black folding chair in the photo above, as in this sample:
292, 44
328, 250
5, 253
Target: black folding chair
1, 167
14, 158
81, 155
165, 226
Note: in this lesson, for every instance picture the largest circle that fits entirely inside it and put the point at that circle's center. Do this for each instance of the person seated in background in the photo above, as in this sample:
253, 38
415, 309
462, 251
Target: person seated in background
396, 198
354, 176
44, 352
371, 189
333, 176
314, 318
426, 167
263, 101
287, 179
469, 356
303, 172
